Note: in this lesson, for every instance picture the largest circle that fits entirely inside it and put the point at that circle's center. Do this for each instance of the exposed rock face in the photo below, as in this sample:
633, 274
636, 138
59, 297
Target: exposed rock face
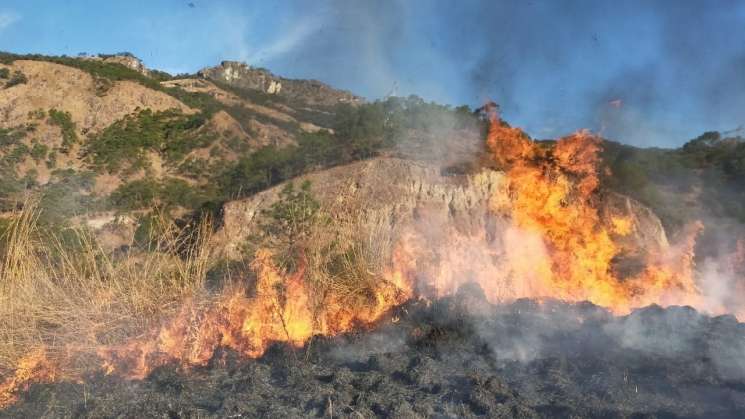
129, 61
312, 92
410, 192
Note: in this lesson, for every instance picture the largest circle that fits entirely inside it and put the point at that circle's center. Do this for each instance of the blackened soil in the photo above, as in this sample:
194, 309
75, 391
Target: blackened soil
456, 358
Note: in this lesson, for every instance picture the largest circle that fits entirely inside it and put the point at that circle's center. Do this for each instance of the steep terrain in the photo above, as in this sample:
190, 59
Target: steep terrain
98, 135
418, 195
264, 246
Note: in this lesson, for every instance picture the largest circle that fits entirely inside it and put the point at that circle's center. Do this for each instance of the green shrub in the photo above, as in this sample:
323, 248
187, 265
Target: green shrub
165, 194
10, 137
39, 151
125, 143
135, 195
63, 120
285, 226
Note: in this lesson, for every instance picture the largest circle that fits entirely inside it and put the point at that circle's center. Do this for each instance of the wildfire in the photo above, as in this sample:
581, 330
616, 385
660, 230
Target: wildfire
281, 310
34, 367
553, 243
549, 241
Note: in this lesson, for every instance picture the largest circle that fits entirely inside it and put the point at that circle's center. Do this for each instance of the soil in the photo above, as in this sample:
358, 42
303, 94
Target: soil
458, 357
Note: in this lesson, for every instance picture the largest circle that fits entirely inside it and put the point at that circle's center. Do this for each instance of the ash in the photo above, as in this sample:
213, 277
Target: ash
457, 357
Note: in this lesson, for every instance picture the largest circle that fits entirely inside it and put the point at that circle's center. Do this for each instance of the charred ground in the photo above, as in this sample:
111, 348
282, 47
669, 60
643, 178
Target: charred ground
457, 357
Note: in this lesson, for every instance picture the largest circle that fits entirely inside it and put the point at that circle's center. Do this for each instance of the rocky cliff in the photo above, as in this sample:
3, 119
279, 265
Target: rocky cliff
312, 92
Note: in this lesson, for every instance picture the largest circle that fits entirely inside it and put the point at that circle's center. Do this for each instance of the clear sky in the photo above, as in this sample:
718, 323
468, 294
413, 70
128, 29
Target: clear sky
645, 72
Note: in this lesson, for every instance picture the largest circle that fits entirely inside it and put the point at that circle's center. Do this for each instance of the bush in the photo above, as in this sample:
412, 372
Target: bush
165, 194
63, 120
123, 145
16, 79
135, 195
286, 225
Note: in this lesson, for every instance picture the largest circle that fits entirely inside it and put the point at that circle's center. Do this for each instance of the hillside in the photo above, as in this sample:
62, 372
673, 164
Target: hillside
102, 138
233, 229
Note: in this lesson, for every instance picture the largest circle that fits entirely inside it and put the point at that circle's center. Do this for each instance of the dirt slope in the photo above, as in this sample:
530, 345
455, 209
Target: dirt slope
54, 86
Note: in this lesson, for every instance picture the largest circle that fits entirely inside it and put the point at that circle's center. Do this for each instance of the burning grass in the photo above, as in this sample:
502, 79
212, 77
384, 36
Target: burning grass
72, 311
59, 303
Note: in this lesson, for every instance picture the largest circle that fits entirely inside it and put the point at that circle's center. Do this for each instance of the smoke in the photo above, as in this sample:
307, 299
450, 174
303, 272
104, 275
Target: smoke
553, 66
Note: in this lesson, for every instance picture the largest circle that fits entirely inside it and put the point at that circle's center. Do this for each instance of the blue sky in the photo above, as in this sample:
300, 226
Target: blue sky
645, 72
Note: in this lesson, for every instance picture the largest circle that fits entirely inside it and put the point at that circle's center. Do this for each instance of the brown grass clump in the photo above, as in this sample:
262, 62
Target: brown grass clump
65, 299
349, 260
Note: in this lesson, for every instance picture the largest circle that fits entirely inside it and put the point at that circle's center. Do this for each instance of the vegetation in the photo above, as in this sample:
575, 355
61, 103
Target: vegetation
64, 121
62, 290
359, 133
124, 145
16, 79
165, 194
700, 181
105, 73
286, 225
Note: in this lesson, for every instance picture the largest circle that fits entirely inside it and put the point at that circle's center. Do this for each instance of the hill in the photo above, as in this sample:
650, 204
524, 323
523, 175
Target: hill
154, 224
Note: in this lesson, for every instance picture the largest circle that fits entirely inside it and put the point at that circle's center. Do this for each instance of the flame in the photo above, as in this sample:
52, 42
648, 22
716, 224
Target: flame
553, 242
34, 367
550, 241
280, 311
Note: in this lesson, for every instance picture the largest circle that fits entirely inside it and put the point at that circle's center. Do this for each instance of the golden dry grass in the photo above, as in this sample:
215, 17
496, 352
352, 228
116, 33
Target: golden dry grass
350, 258
70, 301
57, 298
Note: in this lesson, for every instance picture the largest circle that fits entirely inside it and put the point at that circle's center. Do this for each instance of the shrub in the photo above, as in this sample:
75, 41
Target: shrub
125, 143
135, 195
39, 152
165, 194
63, 120
16, 79
286, 225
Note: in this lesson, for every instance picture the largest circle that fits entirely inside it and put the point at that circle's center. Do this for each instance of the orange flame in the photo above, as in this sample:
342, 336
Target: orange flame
555, 244
34, 367
280, 311
552, 242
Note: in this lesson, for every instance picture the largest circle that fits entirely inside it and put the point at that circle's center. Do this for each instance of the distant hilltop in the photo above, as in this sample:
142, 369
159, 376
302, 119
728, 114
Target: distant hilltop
244, 76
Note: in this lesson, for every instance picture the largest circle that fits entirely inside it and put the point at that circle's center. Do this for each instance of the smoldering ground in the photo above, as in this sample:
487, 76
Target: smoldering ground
455, 357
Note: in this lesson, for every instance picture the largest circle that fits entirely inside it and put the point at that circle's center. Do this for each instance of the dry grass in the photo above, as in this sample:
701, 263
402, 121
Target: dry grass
71, 300
349, 259
57, 298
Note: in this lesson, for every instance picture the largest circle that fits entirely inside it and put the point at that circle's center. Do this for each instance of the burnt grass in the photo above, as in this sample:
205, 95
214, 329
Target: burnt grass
452, 358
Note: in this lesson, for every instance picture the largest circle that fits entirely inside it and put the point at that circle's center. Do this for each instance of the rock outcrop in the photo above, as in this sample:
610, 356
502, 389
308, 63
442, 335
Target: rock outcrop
125, 59
312, 92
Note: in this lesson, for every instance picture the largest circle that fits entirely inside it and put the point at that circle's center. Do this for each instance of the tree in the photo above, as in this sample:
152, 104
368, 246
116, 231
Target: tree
286, 225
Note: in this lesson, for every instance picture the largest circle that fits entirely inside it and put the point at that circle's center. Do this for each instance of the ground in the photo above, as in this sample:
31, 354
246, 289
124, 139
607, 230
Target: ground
453, 358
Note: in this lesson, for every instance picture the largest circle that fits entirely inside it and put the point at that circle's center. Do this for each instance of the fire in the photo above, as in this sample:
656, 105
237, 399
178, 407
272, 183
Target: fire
553, 242
34, 367
280, 310
548, 241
